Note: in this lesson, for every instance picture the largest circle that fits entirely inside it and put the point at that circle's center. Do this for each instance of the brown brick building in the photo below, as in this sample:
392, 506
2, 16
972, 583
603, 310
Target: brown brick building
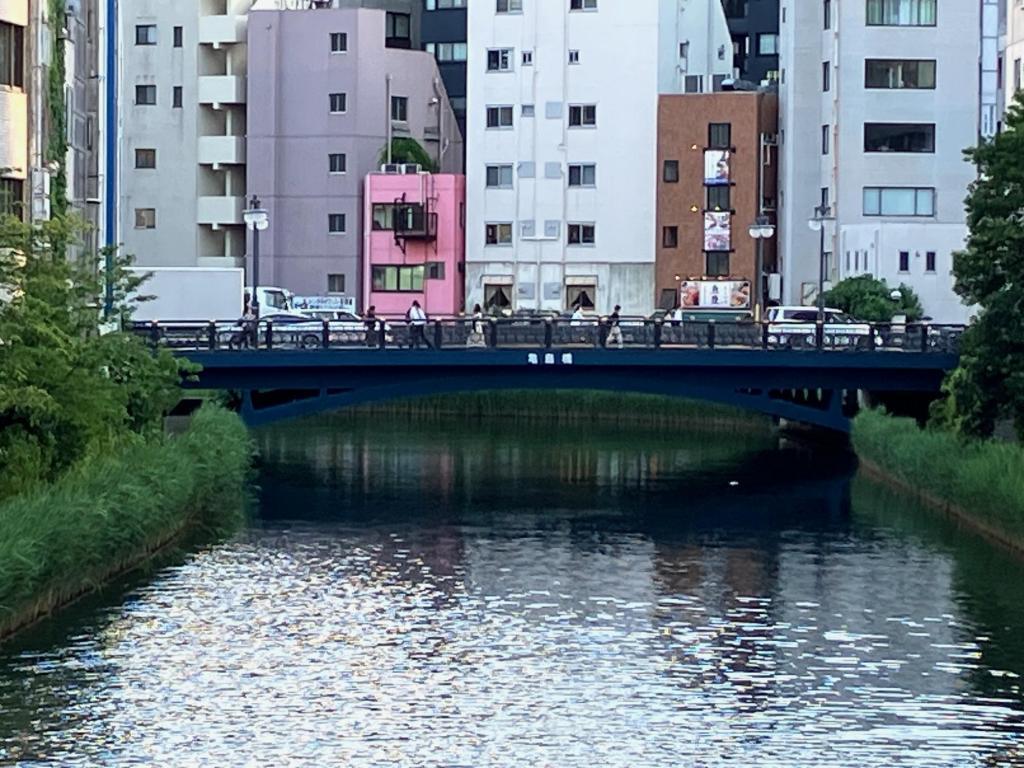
717, 173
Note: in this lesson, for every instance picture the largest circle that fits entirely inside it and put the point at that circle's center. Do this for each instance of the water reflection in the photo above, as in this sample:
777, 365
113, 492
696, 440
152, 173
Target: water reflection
497, 596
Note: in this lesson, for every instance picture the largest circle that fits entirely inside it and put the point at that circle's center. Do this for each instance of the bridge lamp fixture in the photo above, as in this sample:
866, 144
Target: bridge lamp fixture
762, 229
896, 294
257, 219
822, 216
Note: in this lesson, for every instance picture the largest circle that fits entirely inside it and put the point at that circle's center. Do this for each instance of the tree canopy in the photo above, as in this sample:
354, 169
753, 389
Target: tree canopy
407, 150
989, 272
870, 299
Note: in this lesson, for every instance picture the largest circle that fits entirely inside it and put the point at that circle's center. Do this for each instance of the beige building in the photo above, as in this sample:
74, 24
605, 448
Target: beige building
14, 107
1013, 57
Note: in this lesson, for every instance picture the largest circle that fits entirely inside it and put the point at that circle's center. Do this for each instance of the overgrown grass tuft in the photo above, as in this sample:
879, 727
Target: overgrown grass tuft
568, 406
985, 480
110, 512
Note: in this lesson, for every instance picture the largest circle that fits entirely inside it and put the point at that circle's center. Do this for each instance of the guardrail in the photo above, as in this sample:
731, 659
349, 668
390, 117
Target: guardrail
549, 333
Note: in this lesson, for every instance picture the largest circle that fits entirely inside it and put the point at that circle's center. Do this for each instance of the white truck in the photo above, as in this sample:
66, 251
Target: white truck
200, 293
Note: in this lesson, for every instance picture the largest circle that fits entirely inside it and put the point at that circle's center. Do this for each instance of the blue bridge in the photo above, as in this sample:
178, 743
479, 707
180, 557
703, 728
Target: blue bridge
814, 378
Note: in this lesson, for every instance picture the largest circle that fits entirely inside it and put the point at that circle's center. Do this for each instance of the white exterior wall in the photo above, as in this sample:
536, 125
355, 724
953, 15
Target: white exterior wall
955, 106
14, 112
702, 26
198, 186
1013, 57
624, 86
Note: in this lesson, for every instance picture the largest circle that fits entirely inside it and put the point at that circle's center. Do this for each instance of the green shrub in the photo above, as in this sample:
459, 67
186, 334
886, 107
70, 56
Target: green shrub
109, 512
983, 478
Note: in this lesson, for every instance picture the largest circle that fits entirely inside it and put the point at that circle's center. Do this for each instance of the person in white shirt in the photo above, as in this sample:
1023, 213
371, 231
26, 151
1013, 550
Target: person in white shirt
417, 321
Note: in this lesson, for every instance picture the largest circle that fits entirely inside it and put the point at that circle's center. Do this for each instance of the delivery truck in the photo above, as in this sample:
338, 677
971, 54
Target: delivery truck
199, 293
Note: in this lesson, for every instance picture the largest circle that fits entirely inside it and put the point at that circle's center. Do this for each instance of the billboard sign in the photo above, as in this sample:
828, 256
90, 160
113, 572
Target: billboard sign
717, 231
714, 294
716, 167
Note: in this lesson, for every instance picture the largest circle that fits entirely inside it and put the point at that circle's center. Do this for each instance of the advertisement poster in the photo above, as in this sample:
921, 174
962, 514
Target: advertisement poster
716, 167
714, 294
324, 303
717, 231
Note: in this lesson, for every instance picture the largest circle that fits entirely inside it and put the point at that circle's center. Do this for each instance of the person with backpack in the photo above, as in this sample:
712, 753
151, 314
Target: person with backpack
416, 319
614, 331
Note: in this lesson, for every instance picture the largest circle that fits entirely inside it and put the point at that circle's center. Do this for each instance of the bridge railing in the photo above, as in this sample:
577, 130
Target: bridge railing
548, 333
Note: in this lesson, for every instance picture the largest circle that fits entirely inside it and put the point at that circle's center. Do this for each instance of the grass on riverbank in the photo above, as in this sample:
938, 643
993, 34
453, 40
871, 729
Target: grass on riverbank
110, 513
567, 406
982, 481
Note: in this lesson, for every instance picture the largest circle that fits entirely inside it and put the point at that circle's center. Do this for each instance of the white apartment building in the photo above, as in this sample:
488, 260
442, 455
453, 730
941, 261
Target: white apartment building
1013, 54
562, 147
182, 131
878, 100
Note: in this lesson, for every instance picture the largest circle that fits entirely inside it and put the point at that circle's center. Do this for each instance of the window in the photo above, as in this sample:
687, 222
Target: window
145, 95
145, 34
580, 234
400, 108
929, 261
337, 162
669, 298
768, 45
12, 197
719, 198
901, 13
670, 172
720, 135
574, 57
899, 137
383, 216
435, 270
826, 76
145, 158
145, 218
440, 5
824, 139
669, 237
336, 223
499, 60
338, 103
499, 117
12, 55
448, 52
717, 263
528, 110
899, 201
582, 5
396, 29
499, 176
509, 6
498, 234
899, 73
497, 296
339, 44
336, 283
582, 115
904, 261
826, 8
179, 34
397, 279
527, 58
580, 295
176, 100
582, 175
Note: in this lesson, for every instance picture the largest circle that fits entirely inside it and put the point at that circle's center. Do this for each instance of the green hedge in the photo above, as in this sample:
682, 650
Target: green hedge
109, 513
983, 480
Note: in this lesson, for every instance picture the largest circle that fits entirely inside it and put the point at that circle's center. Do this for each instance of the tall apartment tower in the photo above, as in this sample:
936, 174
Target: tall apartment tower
877, 135
444, 35
754, 28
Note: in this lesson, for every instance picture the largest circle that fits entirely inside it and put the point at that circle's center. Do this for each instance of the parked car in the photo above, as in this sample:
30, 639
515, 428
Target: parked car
798, 326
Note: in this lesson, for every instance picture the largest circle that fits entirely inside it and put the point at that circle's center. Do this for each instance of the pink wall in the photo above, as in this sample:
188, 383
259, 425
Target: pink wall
445, 194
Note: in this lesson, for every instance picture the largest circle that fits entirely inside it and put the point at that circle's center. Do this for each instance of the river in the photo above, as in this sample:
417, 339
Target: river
456, 594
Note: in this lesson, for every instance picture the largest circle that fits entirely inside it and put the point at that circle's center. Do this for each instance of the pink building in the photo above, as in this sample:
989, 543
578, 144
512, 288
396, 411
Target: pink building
414, 242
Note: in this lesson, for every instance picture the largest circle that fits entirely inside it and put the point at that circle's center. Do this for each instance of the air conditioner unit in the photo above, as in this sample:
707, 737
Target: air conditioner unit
391, 168
411, 168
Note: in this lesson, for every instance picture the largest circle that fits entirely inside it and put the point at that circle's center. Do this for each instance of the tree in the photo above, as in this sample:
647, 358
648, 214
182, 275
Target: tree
407, 150
989, 272
869, 299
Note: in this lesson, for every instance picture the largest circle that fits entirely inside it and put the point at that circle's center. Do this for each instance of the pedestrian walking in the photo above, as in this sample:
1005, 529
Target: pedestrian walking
416, 319
614, 330
476, 337
370, 321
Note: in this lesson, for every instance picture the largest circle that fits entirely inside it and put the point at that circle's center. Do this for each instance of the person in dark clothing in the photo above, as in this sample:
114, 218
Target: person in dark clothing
370, 321
614, 331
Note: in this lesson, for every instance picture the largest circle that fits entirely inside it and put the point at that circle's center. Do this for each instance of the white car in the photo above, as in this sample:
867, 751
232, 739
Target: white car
798, 326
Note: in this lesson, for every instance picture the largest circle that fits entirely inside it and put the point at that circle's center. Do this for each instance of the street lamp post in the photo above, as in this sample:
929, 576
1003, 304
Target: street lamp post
257, 220
822, 215
760, 230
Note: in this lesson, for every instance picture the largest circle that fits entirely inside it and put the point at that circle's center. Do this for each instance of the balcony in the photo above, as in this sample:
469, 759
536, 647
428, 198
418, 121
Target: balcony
221, 89
221, 30
220, 211
412, 222
221, 150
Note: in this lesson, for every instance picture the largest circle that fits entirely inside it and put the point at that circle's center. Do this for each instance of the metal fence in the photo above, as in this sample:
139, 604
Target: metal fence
549, 333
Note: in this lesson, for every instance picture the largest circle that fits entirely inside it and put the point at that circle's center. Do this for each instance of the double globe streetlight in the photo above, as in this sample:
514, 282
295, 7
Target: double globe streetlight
762, 229
257, 219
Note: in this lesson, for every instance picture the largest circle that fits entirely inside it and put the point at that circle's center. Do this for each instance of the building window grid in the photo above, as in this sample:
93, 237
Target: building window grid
582, 175
12, 55
899, 201
336, 223
901, 13
339, 42
145, 34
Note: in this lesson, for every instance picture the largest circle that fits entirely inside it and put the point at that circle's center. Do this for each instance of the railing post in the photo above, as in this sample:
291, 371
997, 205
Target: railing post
819, 334
764, 336
548, 334
658, 326
382, 334
924, 337
154, 333
269, 340
325, 335
211, 335
493, 333
438, 335
711, 334
599, 336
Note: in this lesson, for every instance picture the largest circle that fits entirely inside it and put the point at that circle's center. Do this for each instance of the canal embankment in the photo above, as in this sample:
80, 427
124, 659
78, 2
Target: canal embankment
978, 483
113, 512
